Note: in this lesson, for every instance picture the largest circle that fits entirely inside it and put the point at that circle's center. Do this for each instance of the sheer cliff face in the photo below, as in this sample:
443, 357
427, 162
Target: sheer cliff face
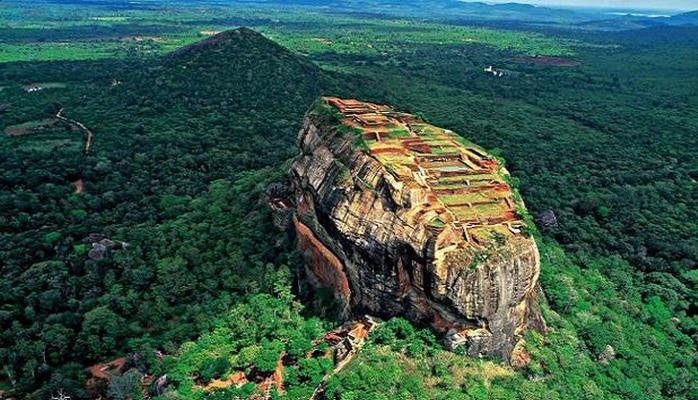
400, 217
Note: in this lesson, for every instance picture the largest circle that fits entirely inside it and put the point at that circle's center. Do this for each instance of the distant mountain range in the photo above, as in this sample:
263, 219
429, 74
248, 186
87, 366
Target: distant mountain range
629, 21
476, 12
482, 12
689, 18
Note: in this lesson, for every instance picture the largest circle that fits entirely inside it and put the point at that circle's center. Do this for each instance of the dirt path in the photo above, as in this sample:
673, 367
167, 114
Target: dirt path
88, 133
340, 365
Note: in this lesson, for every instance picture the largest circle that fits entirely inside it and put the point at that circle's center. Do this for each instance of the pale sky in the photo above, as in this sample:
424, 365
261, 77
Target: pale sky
650, 4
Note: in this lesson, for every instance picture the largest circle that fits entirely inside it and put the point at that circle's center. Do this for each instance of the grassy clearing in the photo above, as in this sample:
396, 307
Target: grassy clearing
460, 184
94, 49
45, 85
467, 197
450, 179
56, 51
426, 131
480, 211
30, 127
49, 145
443, 150
382, 37
399, 133
490, 232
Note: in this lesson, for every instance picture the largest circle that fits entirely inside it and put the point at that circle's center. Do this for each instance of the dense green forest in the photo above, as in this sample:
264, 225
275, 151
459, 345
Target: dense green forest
157, 242
185, 192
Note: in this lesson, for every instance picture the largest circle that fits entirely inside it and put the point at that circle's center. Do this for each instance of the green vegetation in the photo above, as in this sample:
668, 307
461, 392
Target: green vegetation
73, 36
188, 146
584, 317
252, 335
186, 192
358, 36
488, 210
399, 133
358, 141
53, 51
484, 195
437, 223
28, 127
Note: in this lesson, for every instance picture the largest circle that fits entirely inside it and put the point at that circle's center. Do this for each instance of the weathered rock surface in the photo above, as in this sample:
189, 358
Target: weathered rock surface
102, 246
399, 217
547, 219
607, 355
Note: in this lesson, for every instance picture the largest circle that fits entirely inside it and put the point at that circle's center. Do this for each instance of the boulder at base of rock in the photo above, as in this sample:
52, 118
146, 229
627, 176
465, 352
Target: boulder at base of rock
547, 219
98, 252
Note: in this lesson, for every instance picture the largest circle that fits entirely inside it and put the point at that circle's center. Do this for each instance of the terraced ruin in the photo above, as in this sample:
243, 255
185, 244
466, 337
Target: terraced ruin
459, 187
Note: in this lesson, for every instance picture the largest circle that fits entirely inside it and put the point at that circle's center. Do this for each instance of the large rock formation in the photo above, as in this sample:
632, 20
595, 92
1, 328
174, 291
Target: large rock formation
400, 217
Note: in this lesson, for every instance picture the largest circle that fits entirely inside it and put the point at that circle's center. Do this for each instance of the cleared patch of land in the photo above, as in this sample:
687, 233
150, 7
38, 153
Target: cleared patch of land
548, 60
31, 127
35, 87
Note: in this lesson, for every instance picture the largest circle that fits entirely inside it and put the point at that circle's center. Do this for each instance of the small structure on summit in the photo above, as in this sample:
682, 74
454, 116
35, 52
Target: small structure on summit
400, 217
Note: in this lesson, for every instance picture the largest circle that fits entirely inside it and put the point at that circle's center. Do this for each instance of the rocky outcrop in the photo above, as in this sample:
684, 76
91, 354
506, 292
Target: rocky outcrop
547, 219
102, 246
400, 217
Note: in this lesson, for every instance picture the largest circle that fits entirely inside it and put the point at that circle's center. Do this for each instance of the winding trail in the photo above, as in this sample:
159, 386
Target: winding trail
320, 389
88, 133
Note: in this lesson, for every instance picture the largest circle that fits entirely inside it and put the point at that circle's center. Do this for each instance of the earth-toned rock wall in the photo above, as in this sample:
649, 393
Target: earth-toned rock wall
400, 217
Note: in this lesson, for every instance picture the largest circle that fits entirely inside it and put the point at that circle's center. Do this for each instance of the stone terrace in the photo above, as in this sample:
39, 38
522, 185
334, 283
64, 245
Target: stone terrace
454, 186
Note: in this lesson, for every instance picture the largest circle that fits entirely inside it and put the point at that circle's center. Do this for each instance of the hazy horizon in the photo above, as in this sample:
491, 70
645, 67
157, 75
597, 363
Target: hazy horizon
682, 5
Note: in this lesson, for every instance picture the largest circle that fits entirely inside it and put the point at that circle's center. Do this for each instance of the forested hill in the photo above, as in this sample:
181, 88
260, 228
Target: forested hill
238, 71
182, 154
